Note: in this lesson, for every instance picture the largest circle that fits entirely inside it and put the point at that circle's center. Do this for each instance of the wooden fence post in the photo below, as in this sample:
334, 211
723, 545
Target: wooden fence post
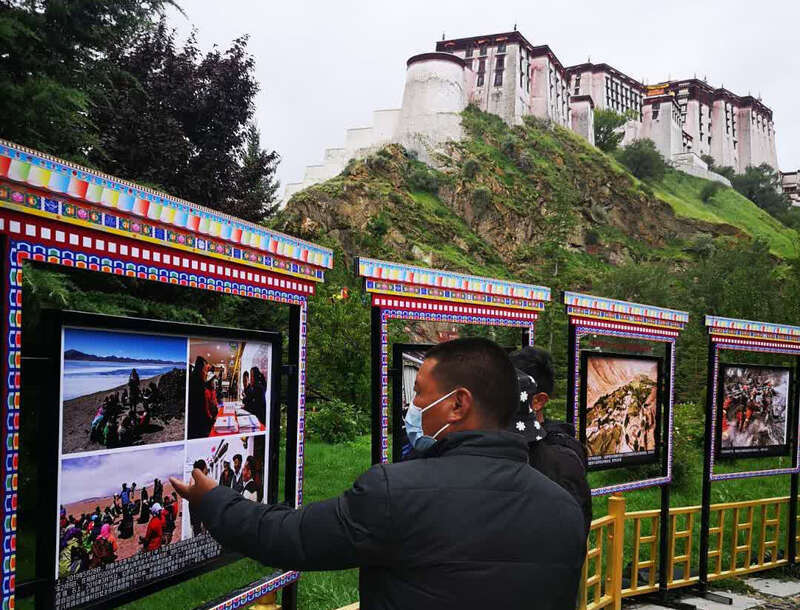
616, 509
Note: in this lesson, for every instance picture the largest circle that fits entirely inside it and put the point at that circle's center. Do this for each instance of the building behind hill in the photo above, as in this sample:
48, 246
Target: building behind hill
506, 75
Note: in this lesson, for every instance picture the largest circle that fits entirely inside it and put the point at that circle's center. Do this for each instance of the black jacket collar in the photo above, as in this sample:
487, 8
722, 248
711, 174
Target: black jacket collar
487, 443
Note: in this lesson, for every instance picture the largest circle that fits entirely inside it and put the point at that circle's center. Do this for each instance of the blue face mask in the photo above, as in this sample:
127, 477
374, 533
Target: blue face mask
416, 436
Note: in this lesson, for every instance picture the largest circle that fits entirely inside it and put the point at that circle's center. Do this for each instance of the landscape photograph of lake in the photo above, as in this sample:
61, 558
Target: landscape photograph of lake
121, 389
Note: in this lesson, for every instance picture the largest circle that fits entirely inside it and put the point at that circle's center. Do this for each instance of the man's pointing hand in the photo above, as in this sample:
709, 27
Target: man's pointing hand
194, 491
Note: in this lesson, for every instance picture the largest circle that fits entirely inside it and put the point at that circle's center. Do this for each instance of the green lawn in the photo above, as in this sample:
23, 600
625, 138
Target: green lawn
682, 192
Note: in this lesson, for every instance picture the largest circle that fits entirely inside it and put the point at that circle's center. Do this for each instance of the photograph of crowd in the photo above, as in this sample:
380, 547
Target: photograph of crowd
753, 410
232, 461
229, 387
121, 389
621, 405
115, 505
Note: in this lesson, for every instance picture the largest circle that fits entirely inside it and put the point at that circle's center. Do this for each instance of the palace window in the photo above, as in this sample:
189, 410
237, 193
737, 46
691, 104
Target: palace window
501, 63
482, 49
469, 52
501, 48
481, 66
656, 109
498, 78
480, 79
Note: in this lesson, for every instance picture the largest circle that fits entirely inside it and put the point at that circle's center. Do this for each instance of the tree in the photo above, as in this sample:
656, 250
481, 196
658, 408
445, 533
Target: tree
606, 124
177, 108
762, 186
54, 53
104, 83
643, 160
256, 184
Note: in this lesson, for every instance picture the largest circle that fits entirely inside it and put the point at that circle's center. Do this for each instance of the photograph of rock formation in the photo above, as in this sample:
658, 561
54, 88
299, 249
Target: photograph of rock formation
621, 405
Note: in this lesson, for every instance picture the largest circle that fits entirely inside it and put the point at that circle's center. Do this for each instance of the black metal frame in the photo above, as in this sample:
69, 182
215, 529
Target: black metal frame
635, 459
54, 321
710, 428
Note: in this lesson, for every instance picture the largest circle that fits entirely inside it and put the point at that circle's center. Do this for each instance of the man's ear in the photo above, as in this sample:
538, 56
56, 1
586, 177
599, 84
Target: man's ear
539, 401
463, 403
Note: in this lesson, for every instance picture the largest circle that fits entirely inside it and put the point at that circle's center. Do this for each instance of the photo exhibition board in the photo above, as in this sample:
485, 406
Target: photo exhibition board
135, 408
620, 408
746, 401
409, 292
645, 335
57, 213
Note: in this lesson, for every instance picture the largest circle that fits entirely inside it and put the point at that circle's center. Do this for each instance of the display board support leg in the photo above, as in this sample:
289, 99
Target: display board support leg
705, 511
289, 593
791, 545
569, 416
375, 341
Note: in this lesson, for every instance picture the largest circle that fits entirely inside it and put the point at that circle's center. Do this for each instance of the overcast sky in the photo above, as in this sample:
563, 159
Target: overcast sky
324, 66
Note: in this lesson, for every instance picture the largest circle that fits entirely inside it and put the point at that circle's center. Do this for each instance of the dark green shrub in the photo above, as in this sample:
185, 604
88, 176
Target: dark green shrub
482, 197
423, 180
508, 146
378, 163
525, 161
396, 197
385, 153
471, 167
709, 160
709, 190
378, 225
334, 421
592, 237
643, 160
348, 169
647, 190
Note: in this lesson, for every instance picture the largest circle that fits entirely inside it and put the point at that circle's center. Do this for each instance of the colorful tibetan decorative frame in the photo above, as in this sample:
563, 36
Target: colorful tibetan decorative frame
590, 315
747, 336
407, 292
55, 212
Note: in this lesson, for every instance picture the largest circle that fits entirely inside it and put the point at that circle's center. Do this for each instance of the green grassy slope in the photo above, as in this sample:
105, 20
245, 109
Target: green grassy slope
682, 192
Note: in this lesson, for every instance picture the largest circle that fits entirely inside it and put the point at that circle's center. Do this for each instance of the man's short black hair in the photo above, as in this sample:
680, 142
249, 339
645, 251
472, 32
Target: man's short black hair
482, 367
238, 456
201, 464
537, 363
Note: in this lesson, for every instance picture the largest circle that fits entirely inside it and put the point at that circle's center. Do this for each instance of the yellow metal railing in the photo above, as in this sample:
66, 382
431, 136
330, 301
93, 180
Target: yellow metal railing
744, 537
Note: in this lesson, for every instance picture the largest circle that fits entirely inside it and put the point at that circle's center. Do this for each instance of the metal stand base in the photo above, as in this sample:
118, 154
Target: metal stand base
666, 600
715, 597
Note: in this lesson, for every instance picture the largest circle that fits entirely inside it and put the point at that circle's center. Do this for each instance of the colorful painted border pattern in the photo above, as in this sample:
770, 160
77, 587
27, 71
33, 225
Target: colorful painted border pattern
82, 215
581, 331
399, 289
747, 329
720, 343
401, 314
39, 170
20, 251
448, 307
385, 271
260, 590
613, 309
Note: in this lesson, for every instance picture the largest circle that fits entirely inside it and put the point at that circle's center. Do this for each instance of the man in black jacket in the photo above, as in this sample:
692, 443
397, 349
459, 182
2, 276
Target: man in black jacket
553, 447
467, 525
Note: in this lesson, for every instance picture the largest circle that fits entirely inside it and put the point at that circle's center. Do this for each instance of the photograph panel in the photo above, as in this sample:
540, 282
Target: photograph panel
229, 387
753, 410
121, 389
116, 505
237, 462
621, 408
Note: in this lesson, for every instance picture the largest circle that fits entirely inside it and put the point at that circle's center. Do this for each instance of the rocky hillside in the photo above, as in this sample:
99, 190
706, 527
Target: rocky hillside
516, 202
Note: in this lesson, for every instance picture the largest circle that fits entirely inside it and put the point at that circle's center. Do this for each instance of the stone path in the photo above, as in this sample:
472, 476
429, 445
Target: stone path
763, 594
